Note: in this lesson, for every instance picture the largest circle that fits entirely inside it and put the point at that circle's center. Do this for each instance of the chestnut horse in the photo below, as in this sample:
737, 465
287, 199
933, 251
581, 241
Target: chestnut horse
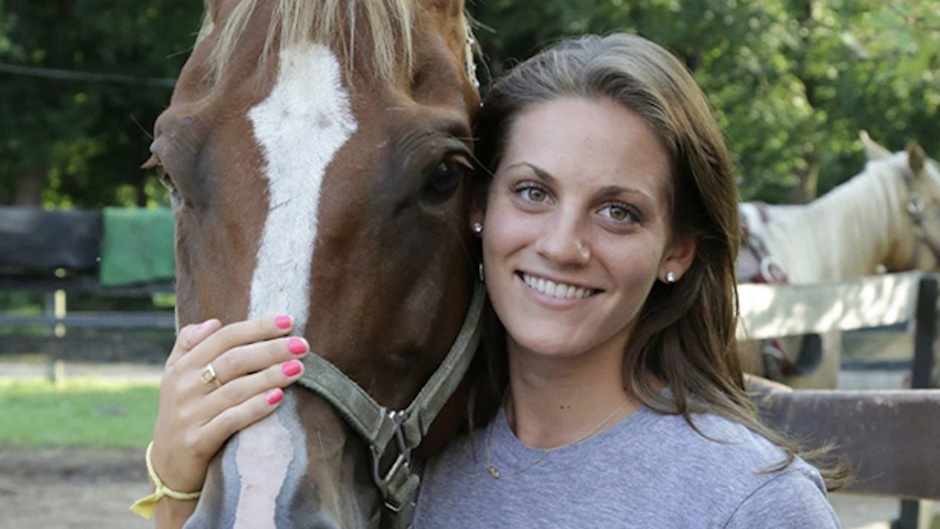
316, 151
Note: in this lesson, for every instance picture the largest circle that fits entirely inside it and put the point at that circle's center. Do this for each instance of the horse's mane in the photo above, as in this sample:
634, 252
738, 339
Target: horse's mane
302, 21
821, 240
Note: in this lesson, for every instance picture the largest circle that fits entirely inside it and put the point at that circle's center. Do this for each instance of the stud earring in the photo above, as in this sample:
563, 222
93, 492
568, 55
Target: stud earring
671, 277
480, 270
476, 228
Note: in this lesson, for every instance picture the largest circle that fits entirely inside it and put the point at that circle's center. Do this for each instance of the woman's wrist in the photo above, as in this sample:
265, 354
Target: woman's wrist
146, 506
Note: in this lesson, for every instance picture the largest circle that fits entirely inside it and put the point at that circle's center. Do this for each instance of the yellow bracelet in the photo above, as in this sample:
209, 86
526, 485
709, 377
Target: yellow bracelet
145, 506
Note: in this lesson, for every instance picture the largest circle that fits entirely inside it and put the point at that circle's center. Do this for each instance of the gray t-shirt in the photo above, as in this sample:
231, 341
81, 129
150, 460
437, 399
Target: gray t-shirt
648, 471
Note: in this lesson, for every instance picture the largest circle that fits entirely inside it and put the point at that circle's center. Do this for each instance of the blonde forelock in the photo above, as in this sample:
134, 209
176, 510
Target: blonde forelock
297, 22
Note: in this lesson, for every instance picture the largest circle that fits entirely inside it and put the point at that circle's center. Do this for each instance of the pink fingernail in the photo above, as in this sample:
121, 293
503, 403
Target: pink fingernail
274, 396
297, 346
291, 368
283, 322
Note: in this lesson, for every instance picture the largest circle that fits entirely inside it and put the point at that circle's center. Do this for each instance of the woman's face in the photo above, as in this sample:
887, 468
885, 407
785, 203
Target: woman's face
577, 227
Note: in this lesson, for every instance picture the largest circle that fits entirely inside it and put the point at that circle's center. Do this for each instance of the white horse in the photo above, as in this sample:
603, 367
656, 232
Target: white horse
886, 218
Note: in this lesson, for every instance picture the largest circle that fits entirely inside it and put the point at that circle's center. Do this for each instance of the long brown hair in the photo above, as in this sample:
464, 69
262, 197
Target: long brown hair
685, 334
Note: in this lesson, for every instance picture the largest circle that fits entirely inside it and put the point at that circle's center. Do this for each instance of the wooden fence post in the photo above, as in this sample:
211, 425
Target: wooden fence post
919, 514
925, 333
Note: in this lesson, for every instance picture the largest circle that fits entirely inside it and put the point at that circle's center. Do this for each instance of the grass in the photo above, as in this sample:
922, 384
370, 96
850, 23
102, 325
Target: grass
78, 412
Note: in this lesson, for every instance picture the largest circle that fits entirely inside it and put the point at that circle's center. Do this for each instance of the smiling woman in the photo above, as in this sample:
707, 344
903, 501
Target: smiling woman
609, 231
584, 209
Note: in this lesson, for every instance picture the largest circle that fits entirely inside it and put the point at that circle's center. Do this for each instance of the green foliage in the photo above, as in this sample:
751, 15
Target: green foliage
87, 137
792, 82
79, 412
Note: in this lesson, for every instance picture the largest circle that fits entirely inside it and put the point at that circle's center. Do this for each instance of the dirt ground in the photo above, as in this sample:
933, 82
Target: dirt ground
58, 488
71, 489
82, 488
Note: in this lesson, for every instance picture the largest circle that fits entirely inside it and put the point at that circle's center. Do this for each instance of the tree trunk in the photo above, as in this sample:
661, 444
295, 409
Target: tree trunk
693, 60
30, 186
805, 191
806, 15
141, 192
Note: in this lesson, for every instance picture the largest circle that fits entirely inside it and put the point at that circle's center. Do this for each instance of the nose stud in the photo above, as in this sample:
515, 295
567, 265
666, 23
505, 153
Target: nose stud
584, 251
476, 228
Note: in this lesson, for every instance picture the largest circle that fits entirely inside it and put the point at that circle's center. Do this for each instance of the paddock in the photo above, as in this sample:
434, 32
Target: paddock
74, 487
890, 429
889, 435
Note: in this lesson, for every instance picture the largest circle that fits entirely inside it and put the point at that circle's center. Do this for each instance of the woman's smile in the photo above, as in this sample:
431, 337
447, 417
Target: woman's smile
555, 289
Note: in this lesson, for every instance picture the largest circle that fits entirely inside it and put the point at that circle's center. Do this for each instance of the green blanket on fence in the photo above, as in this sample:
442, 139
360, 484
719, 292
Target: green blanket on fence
137, 247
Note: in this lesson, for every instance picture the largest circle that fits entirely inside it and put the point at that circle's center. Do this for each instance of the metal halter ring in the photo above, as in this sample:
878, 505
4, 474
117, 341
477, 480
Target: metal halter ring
209, 376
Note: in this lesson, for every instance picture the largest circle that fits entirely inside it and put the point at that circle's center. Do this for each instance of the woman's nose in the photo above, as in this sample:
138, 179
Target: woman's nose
563, 240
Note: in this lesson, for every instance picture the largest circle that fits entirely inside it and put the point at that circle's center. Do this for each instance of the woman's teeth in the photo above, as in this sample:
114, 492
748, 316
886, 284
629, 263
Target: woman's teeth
557, 290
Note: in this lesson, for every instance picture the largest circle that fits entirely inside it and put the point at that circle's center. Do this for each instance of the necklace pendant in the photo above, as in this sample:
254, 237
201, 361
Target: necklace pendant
493, 472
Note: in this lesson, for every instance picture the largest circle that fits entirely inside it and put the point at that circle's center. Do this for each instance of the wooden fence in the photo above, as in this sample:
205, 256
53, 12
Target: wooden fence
892, 437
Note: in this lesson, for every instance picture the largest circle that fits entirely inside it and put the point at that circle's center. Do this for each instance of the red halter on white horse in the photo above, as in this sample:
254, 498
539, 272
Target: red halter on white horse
885, 218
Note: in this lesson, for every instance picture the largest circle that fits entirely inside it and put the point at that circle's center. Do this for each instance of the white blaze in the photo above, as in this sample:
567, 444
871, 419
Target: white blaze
300, 127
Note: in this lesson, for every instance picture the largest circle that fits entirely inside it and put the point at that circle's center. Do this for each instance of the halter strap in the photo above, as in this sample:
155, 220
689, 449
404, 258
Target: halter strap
915, 210
761, 266
379, 426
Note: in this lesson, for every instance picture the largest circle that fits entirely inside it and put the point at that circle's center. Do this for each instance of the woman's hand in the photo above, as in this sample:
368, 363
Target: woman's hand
252, 360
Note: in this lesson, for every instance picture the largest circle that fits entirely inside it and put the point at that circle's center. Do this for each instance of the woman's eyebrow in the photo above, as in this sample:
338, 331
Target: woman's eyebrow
612, 191
539, 172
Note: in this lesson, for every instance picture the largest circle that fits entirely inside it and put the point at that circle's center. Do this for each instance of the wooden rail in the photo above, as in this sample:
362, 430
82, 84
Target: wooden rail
891, 437
774, 311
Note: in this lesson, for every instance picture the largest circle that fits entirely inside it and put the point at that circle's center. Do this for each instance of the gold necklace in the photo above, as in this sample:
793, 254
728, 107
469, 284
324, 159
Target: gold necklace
489, 446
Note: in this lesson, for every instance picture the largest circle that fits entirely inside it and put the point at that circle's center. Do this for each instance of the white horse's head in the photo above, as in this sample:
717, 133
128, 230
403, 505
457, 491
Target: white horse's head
919, 201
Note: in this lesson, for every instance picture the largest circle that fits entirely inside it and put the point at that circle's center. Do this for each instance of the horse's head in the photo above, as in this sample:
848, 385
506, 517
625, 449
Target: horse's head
315, 151
917, 181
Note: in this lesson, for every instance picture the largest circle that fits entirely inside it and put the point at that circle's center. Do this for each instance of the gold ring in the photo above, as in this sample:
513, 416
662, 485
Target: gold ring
209, 376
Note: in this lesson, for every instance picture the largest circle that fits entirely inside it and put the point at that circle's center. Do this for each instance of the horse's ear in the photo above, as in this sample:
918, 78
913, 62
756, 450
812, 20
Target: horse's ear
916, 157
872, 149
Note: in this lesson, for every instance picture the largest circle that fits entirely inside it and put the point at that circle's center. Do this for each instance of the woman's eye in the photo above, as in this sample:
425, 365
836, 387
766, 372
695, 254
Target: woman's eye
533, 194
619, 213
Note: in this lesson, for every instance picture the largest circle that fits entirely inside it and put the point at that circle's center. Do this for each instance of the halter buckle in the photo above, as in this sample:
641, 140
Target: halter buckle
402, 464
772, 271
915, 207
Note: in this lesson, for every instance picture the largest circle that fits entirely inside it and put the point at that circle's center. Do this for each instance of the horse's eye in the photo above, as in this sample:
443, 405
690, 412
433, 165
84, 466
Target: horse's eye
154, 163
446, 177
166, 179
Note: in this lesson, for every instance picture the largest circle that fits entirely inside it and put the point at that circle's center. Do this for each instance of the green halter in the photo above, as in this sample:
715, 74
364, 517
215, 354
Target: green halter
378, 426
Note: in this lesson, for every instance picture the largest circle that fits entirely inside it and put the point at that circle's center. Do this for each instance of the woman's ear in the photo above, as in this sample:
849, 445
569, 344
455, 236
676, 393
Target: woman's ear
678, 258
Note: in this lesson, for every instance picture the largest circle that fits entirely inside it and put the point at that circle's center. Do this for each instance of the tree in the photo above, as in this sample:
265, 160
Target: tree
80, 138
792, 82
